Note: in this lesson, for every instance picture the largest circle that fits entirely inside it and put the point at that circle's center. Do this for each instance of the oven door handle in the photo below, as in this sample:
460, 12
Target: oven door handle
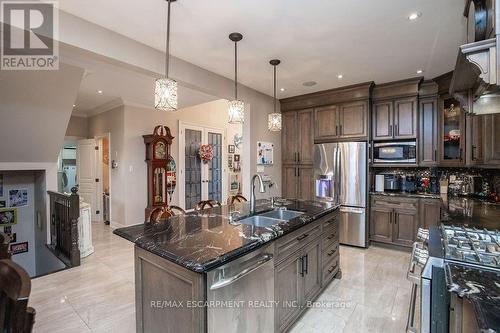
410, 322
225, 282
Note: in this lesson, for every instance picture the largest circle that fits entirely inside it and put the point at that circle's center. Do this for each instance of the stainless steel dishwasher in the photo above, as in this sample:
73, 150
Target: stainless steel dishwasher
240, 294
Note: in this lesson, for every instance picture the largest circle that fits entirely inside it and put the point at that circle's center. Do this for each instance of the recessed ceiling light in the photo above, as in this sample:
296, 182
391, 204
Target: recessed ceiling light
414, 16
99, 92
309, 83
282, 89
340, 76
420, 71
74, 105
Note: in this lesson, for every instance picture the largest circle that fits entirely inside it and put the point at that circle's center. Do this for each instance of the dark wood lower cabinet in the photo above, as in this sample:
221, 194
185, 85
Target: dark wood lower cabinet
404, 227
491, 128
298, 182
396, 220
307, 260
381, 224
430, 212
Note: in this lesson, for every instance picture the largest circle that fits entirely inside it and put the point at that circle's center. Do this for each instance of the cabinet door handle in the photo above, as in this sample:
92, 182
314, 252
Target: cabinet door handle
306, 261
461, 150
340, 129
336, 130
390, 130
472, 153
298, 157
330, 253
301, 266
396, 130
298, 172
331, 236
302, 237
331, 269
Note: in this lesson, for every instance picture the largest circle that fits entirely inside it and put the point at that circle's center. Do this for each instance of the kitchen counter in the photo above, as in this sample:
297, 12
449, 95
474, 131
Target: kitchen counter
203, 240
462, 211
482, 288
408, 195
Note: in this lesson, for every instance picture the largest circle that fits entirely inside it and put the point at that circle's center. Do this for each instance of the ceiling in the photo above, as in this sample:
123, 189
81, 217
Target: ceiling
119, 84
316, 39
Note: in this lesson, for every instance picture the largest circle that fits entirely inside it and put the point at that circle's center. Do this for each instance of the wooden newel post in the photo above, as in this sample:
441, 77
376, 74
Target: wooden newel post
75, 214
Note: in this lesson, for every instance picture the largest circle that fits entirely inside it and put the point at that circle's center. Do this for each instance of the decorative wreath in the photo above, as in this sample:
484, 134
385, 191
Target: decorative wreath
206, 153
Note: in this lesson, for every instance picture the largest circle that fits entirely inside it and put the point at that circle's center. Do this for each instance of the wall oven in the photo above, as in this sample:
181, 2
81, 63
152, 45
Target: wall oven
395, 152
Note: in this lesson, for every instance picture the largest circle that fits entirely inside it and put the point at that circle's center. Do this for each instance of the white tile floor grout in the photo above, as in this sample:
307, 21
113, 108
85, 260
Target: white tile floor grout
372, 296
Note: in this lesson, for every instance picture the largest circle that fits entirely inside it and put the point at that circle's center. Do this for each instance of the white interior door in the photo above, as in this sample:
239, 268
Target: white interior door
199, 181
86, 173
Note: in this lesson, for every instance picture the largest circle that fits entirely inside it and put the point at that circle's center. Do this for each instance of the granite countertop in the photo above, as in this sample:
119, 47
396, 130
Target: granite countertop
471, 212
482, 288
408, 195
203, 240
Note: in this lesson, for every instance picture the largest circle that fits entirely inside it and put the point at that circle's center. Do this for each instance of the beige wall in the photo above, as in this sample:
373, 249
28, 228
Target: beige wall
78, 127
113, 122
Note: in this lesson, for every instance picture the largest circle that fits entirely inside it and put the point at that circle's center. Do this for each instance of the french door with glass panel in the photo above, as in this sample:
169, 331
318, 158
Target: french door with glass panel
200, 181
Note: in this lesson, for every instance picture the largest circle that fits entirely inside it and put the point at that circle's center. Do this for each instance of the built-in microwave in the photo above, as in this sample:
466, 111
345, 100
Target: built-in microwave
395, 152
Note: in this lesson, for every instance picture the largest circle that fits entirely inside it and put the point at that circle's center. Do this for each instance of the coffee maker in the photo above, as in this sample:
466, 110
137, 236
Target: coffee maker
410, 183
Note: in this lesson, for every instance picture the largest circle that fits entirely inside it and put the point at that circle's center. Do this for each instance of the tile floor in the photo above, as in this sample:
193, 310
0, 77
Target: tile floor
372, 296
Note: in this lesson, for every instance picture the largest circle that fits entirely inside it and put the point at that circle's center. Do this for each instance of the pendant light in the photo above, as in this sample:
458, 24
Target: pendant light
274, 119
236, 107
166, 88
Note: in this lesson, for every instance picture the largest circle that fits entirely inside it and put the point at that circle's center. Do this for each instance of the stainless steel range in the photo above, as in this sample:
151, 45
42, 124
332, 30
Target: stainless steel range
472, 246
466, 246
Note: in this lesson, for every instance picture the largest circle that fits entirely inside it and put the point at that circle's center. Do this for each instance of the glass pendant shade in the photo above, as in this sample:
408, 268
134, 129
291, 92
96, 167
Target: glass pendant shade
274, 122
165, 94
236, 112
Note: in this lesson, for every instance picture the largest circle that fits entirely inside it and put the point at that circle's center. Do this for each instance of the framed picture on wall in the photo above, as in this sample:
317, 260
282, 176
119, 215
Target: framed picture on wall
236, 157
230, 162
19, 248
8, 217
1, 185
230, 149
3, 204
18, 198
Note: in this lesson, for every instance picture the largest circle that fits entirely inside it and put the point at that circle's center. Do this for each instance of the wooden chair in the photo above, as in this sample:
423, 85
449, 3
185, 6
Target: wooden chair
236, 198
204, 204
15, 287
160, 213
4, 246
176, 210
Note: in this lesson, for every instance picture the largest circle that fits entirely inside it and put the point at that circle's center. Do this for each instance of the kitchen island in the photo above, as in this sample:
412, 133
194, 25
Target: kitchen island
218, 269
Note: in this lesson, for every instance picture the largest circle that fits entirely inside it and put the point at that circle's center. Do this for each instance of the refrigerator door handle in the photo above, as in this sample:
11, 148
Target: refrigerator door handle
339, 158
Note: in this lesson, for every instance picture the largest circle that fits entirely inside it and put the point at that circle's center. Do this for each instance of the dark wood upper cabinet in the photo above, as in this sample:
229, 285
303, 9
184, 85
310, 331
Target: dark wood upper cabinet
428, 132
474, 139
382, 122
354, 120
491, 126
326, 122
405, 118
289, 137
305, 133
451, 132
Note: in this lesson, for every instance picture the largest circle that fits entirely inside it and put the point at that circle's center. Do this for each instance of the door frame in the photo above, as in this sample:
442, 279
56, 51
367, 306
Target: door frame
99, 173
183, 125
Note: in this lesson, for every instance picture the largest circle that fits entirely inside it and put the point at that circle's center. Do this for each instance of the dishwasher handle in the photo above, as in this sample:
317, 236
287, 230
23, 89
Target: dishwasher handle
225, 282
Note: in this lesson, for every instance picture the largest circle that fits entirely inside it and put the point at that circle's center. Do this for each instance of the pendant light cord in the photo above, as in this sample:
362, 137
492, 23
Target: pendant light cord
235, 70
274, 88
168, 41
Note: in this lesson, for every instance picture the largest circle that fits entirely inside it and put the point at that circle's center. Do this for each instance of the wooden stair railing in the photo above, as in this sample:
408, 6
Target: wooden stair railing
15, 288
64, 214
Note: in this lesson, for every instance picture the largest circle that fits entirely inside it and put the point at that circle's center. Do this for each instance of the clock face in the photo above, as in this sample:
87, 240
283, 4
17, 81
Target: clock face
160, 150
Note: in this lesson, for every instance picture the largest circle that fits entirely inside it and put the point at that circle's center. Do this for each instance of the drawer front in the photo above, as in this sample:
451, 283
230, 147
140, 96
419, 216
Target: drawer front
330, 236
330, 252
395, 202
330, 269
293, 242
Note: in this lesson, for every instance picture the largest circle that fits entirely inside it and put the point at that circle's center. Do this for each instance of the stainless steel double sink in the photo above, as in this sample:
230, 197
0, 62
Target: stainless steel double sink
270, 218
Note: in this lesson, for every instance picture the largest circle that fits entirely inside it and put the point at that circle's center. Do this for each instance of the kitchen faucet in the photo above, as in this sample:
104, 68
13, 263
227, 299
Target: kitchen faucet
252, 196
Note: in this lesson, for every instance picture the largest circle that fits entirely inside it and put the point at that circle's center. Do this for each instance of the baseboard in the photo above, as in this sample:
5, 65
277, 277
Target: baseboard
115, 225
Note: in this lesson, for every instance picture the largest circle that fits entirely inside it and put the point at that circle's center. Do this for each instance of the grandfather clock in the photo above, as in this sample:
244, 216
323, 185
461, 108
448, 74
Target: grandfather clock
157, 157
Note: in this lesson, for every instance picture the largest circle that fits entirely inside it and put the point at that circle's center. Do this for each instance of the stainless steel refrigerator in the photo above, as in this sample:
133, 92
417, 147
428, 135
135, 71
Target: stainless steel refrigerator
340, 177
